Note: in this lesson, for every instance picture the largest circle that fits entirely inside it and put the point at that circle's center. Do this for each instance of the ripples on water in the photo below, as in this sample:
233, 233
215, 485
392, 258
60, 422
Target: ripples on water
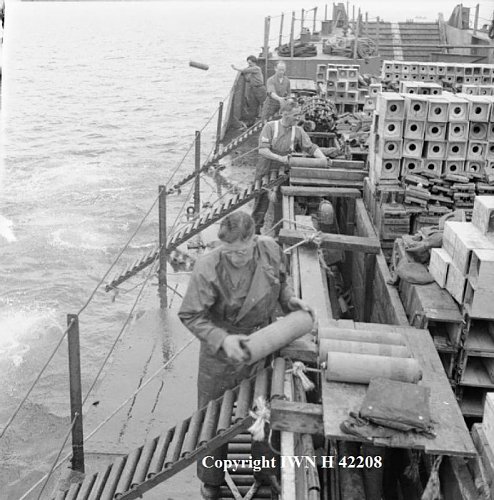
99, 105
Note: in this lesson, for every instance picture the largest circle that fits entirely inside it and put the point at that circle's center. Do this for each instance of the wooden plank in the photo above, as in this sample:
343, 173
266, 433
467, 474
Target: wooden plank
456, 480
486, 455
352, 164
288, 472
320, 191
293, 416
326, 182
328, 173
333, 241
313, 288
370, 269
480, 340
452, 434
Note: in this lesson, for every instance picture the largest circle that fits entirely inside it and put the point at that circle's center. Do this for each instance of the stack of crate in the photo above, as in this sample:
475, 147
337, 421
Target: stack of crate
444, 73
421, 88
464, 266
342, 86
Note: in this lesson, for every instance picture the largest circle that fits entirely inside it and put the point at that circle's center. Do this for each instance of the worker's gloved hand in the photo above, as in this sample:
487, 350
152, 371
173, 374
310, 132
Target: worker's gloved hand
295, 303
284, 160
233, 348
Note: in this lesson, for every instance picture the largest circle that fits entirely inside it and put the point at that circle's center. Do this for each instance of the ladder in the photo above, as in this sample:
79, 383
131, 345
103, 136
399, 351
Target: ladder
223, 151
209, 217
223, 420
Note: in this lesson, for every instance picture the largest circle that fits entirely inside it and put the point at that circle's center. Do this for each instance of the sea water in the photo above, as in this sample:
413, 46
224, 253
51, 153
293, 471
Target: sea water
99, 106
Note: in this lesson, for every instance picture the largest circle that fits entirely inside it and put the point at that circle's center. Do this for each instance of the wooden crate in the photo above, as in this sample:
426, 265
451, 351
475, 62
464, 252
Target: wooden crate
455, 283
439, 265
479, 302
483, 214
488, 419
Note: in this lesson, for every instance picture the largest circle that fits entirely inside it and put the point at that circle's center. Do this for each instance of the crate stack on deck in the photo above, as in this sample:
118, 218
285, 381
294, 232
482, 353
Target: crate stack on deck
429, 154
464, 266
342, 86
447, 74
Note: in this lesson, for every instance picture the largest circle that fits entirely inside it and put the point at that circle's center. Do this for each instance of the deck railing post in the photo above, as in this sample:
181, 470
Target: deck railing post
476, 21
197, 180
357, 29
162, 278
75, 392
292, 29
281, 29
366, 24
219, 125
302, 20
377, 35
325, 12
267, 25
314, 21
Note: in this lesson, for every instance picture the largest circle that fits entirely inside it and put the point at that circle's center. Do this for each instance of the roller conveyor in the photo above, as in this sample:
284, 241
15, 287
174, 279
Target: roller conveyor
224, 420
215, 214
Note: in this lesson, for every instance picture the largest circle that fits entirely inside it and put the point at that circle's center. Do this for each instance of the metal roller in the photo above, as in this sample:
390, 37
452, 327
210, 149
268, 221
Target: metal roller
128, 472
160, 453
144, 461
241, 438
190, 441
226, 411
248, 191
173, 453
257, 184
239, 456
265, 179
273, 175
332, 345
244, 400
210, 422
243, 480
262, 492
278, 379
239, 447
113, 478
296, 161
86, 487
73, 491
261, 385
99, 484
362, 336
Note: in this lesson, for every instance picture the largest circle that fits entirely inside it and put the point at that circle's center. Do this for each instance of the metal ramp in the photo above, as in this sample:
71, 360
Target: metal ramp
209, 217
222, 421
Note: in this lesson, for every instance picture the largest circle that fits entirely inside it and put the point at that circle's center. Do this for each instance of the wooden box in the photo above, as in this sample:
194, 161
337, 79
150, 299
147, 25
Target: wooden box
455, 283
438, 109
435, 150
479, 303
410, 166
458, 131
439, 265
488, 420
390, 129
412, 148
458, 108
456, 150
432, 167
435, 131
389, 148
477, 150
483, 214
391, 106
414, 129
478, 131
416, 107
481, 270
460, 239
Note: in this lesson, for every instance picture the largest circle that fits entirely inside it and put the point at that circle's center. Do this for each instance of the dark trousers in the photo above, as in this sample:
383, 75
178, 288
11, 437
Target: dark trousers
261, 205
216, 375
255, 98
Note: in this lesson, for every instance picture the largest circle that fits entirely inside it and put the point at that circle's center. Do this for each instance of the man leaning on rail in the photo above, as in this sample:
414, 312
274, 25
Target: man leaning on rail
234, 290
279, 139
277, 88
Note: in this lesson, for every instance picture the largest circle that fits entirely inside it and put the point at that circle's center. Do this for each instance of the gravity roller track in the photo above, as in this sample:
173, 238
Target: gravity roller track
223, 420
202, 222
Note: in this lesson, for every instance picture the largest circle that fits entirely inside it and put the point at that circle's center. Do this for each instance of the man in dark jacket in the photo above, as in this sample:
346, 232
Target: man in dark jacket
233, 291
255, 91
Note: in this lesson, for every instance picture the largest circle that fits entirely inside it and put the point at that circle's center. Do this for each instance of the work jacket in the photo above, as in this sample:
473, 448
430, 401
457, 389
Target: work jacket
211, 309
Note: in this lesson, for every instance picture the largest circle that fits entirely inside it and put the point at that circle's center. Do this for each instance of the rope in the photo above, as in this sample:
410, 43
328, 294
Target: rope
310, 238
262, 416
58, 455
299, 370
98, 427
